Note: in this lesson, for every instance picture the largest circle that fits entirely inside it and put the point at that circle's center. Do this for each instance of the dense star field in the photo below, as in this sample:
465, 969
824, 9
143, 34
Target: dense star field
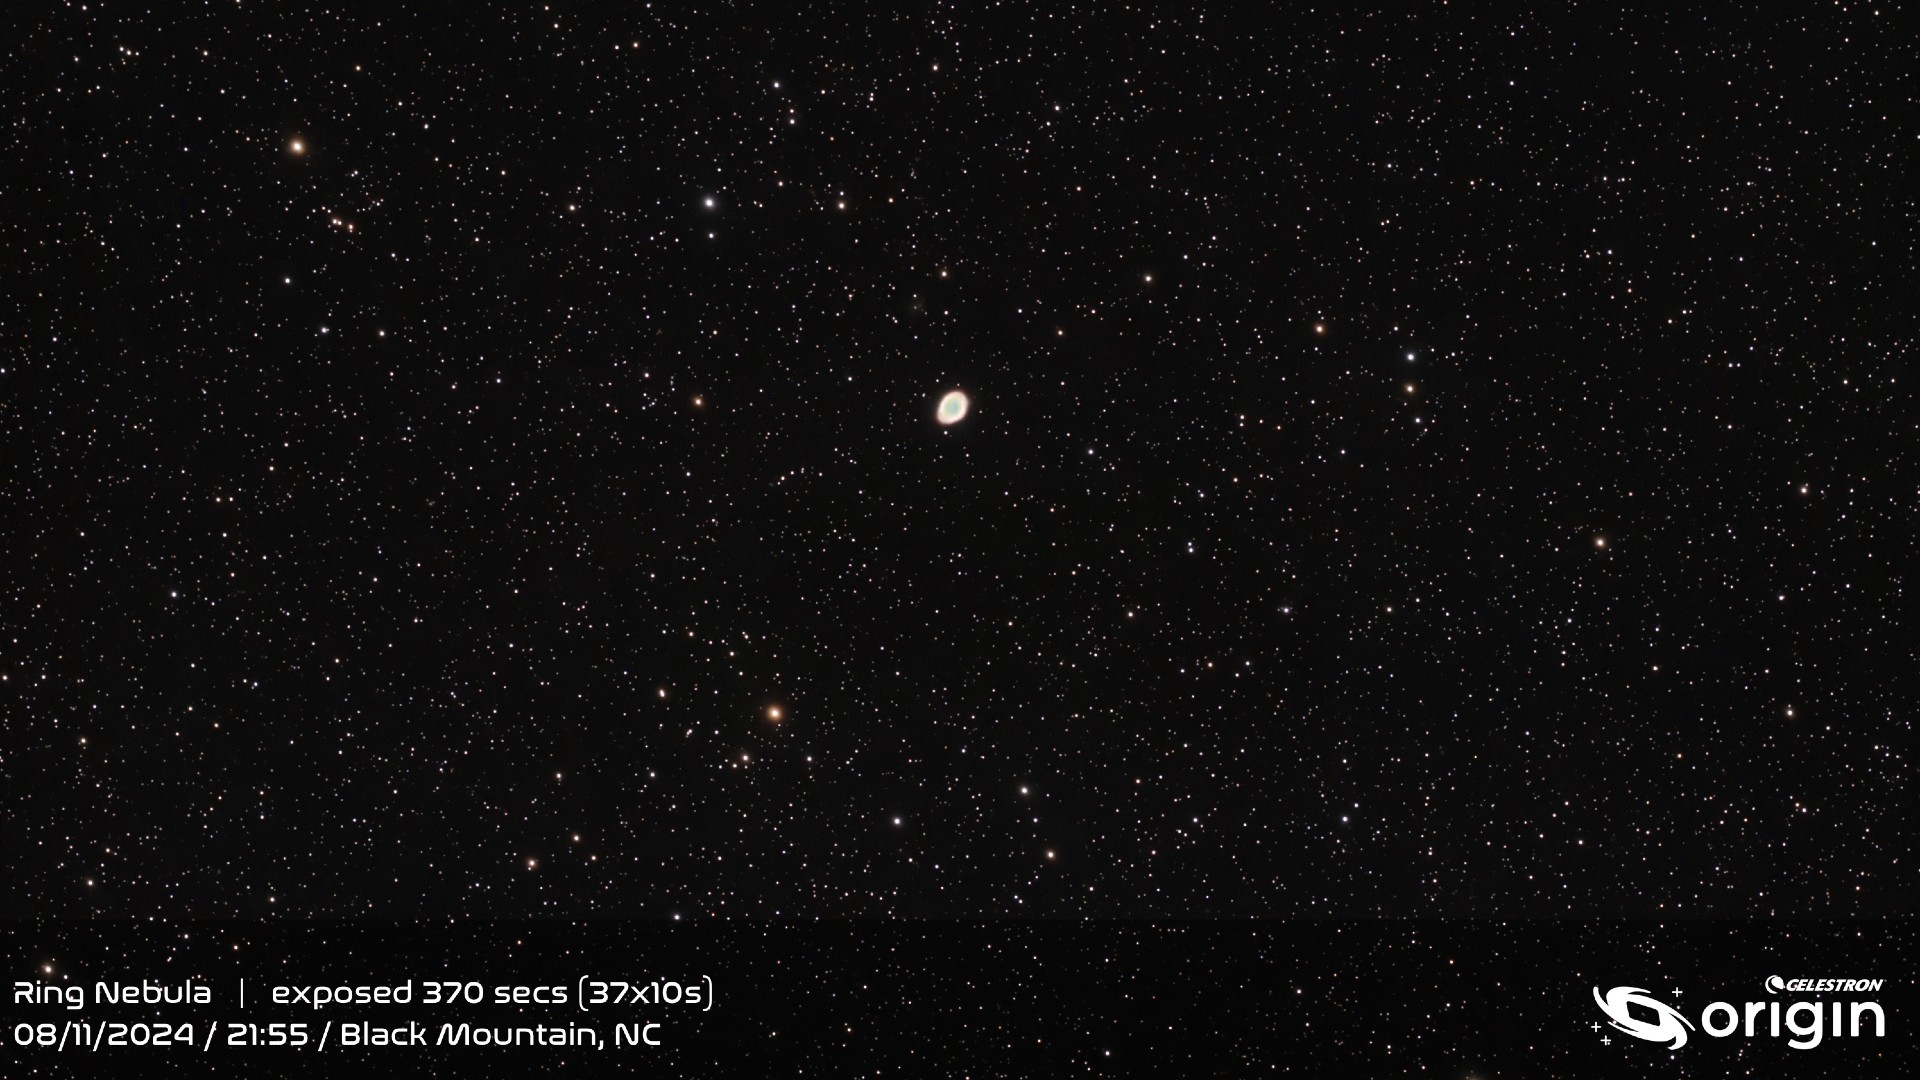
492, 463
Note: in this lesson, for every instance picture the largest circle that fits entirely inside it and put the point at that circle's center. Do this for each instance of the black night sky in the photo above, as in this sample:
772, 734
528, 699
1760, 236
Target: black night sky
485, 462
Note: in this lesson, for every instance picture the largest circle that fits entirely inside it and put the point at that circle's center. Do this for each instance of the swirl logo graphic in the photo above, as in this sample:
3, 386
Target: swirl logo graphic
1671, 1027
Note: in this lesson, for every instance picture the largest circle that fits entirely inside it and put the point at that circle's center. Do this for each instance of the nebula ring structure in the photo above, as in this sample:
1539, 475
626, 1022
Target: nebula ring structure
953, 407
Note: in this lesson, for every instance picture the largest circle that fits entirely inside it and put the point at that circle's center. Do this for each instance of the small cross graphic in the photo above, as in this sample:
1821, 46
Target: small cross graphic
1676, 991
1606, 1040
1595, 1025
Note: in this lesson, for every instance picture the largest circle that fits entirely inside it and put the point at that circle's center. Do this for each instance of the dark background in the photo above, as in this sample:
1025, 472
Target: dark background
304, 619
1444, 464
1459, 1000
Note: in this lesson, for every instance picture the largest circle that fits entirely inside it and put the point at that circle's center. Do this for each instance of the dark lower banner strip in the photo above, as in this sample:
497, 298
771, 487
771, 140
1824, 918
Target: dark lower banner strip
1451, 1000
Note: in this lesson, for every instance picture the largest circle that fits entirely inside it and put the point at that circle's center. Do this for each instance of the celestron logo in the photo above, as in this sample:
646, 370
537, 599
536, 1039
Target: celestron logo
1775, 984
1638, 1013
